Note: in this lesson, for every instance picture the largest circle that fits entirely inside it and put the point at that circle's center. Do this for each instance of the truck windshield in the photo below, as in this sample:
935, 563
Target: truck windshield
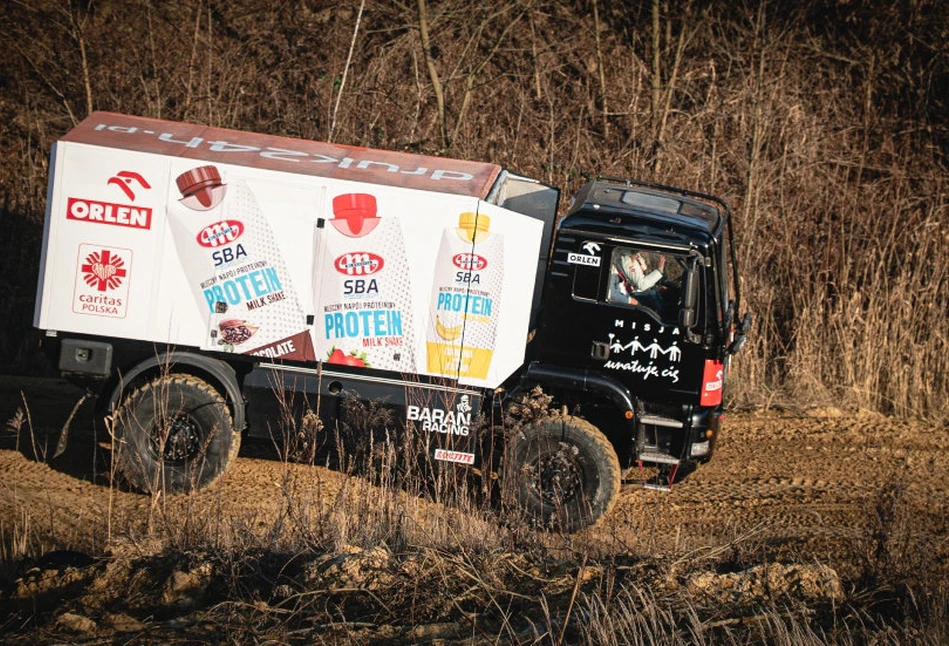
648, 279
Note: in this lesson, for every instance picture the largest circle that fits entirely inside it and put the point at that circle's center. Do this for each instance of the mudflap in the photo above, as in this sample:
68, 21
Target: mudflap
444, 422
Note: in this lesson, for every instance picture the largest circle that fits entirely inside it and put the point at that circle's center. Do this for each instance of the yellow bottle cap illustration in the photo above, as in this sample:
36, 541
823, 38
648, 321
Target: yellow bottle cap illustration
473, 227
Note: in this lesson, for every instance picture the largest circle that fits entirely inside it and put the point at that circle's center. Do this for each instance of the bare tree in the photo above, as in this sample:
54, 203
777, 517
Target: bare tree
349, 59
432, 70
474, 77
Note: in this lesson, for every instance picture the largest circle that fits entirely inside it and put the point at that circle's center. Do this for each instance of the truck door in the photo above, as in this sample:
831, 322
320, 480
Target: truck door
628, 311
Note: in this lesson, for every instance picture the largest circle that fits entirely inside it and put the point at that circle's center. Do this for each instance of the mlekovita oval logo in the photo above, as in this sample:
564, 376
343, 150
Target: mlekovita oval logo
469, 261
358, 263
220, 233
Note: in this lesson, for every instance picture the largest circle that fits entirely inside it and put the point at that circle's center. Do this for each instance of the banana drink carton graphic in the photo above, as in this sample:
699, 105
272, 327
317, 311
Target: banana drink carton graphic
466, 299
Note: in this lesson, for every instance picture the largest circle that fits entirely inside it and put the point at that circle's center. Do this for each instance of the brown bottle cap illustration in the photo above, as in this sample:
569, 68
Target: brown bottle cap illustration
200, 183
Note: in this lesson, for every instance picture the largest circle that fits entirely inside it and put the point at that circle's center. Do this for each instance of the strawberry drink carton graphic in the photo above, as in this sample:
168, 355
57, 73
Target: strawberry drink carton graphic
466, 295
236, 269
362, 292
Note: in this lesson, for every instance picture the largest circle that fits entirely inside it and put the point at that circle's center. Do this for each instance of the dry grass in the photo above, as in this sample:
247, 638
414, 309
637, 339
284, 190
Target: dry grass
373, 564
394, 555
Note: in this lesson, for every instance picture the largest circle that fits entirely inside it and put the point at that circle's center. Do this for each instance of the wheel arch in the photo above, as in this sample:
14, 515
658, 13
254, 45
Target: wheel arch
608, 404
218, 374
582, 381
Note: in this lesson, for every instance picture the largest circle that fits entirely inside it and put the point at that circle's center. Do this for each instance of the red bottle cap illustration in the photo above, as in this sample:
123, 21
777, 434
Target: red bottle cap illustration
201, 187
353, 212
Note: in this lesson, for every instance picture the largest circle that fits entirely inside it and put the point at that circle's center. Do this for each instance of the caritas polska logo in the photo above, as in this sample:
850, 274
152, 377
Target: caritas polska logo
102, 281
130, 184
103, 270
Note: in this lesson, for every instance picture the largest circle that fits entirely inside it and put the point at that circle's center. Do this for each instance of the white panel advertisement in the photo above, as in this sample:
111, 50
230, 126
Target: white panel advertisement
105, 234
237, 259
421, 282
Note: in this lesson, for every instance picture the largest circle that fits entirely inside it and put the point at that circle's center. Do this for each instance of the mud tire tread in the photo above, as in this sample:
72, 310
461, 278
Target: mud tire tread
599, 463
140, 468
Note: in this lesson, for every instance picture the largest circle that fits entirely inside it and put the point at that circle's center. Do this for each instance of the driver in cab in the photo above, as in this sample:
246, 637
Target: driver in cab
633, 282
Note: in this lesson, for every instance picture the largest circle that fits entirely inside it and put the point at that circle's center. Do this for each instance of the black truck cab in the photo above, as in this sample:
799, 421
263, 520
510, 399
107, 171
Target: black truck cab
638, 320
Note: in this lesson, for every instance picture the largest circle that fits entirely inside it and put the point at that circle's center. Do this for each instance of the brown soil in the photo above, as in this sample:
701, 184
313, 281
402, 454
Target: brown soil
821, 486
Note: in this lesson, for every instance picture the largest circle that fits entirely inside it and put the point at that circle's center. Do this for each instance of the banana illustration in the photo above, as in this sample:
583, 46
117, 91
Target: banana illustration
448, 333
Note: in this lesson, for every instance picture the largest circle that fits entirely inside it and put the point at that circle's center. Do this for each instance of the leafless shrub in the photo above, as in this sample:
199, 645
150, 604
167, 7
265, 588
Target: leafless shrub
15, 424
892, 551
17, 542
829, 152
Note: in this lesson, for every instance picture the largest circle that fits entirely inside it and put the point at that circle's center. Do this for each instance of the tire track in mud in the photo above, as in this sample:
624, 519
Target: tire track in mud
806, 487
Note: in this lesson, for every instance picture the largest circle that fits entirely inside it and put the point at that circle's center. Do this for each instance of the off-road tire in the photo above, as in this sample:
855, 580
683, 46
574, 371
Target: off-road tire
566, 472
174, 434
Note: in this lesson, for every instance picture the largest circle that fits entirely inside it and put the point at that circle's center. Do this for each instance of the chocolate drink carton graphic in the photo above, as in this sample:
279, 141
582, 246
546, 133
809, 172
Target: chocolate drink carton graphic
236, 269
362, 292
466, 299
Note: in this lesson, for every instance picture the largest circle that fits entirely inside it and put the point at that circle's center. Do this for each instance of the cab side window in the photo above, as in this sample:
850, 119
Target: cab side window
646, 279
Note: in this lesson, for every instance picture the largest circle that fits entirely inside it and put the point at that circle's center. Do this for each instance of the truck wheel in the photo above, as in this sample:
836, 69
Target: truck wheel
567, 473
174, 434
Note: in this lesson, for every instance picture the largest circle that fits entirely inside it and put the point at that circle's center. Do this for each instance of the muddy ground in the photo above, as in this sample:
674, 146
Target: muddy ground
841, 489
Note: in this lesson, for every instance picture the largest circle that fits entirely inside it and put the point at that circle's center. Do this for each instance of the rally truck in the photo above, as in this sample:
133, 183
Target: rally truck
207, 283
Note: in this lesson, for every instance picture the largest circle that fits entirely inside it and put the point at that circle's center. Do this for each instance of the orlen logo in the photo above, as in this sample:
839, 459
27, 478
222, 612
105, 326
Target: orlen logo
124, 179
358, 263
469, 261
136, 217
220, 233
122, 215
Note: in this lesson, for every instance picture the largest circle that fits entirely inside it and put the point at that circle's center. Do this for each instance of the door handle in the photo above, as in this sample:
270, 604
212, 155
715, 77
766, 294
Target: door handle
600, 351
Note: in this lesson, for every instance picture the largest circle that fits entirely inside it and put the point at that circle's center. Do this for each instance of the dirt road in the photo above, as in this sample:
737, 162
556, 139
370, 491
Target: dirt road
819, 486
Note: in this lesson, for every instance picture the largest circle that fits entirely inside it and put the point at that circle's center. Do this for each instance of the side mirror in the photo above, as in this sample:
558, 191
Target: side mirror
745, 324
690, 297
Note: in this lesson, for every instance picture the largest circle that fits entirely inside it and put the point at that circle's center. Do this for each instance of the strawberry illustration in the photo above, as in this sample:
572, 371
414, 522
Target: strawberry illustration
354, 358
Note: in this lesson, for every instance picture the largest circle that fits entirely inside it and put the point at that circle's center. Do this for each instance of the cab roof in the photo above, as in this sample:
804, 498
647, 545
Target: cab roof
622, 208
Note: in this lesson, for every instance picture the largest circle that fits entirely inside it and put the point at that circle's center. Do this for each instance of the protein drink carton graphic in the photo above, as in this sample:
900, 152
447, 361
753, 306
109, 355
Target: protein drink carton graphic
466, 299
235, 269
362, 292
